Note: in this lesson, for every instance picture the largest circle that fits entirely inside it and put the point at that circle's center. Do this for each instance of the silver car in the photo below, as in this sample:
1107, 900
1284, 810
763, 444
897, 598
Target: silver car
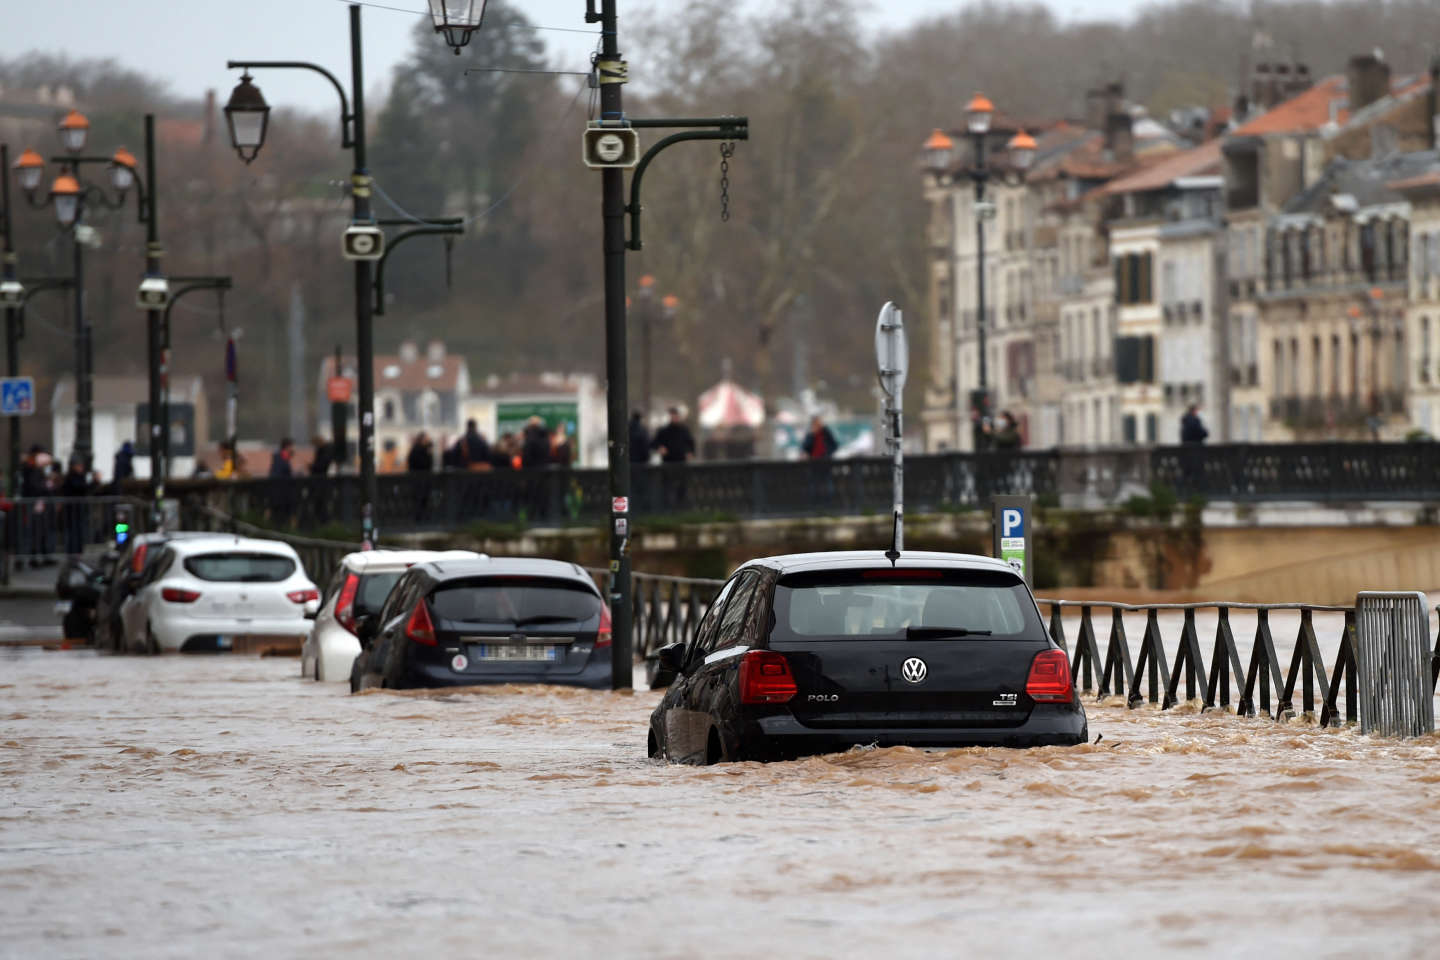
359, 586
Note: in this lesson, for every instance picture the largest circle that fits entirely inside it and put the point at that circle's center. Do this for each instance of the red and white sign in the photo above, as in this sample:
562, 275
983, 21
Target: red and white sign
338, 389
620, 505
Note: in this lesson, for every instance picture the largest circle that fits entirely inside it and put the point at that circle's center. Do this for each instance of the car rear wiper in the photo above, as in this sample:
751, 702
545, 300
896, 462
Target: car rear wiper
544, 618
937, 632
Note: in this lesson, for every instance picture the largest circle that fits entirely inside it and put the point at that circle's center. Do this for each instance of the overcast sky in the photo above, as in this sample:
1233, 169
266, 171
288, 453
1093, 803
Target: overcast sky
187, 43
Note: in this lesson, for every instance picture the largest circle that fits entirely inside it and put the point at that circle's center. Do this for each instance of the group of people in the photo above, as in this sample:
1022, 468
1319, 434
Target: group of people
536, 446
51, 491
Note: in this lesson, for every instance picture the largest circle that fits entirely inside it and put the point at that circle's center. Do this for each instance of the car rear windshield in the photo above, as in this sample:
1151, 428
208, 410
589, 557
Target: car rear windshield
240, 567
884, 604
517, 600
374, 588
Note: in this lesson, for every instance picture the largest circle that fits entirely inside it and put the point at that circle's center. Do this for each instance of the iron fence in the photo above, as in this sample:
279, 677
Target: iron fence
39, 531
318, 557
1155, 677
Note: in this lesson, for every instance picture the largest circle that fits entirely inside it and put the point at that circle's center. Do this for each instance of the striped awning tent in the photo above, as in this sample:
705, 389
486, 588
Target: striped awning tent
727, 405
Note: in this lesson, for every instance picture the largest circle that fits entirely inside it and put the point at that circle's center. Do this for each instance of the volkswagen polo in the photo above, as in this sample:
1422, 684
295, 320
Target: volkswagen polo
811, 653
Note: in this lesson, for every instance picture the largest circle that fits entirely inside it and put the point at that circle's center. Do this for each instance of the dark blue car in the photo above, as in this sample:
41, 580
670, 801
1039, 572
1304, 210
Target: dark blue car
487, 620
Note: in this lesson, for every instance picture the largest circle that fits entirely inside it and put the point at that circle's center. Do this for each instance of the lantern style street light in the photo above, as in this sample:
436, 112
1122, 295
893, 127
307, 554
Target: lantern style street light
70, 196
457, 20
979, 119
939, 151
248, 116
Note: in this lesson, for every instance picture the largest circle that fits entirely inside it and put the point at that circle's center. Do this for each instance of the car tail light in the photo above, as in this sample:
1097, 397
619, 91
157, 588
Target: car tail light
176, 595
603, 635
1050, 680
137, 559
303, 596
419, 629
765, 677
345, 603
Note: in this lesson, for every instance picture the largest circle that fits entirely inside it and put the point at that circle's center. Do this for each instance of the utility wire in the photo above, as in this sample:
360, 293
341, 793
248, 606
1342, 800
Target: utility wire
504, 197
426, 13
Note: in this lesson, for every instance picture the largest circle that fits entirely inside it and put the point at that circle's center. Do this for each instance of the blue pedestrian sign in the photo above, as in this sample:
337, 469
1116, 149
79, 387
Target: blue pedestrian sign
17, 396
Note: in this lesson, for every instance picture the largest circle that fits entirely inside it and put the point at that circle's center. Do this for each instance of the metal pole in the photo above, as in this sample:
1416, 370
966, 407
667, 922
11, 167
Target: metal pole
613, 186
982, 439
83, 430
159, 411
364, 345
649, 315
12, 317
338, 443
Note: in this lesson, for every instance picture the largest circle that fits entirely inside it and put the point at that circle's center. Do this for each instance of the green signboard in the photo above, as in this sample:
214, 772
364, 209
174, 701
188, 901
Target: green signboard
512, 417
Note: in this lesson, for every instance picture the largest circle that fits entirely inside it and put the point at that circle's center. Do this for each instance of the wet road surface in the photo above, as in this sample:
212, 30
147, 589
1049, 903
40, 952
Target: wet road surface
176, 807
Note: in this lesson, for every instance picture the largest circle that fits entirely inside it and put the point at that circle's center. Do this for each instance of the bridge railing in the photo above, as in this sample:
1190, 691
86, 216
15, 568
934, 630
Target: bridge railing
318, 557
1155, 676
761, 488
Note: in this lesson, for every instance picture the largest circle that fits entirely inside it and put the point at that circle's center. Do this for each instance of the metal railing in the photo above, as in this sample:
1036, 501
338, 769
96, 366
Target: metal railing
1155, 677
457, 500
318, 557
42, 530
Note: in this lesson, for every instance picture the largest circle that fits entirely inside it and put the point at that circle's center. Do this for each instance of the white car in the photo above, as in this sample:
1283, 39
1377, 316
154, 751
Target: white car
359, 586
221, 593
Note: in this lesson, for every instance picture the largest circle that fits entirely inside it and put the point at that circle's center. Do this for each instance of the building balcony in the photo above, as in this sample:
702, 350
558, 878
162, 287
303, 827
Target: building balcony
1309, 412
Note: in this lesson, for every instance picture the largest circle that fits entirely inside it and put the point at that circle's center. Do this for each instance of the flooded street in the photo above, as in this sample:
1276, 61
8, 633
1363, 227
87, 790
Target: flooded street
177, 807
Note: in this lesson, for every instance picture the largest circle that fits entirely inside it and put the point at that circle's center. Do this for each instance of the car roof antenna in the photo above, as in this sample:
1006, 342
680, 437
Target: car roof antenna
897, 538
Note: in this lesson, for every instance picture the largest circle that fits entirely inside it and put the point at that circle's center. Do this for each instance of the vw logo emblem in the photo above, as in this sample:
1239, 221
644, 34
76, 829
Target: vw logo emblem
914, 670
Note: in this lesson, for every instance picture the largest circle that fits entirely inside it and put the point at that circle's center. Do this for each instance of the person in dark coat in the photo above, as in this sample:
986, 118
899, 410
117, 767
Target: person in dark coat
1192, 430
324, 458
421, 458
282, 483
1007, 434
535, 450
124, 464
474, 450
820, 443
674, 440
639, 439
75, 487
676, 445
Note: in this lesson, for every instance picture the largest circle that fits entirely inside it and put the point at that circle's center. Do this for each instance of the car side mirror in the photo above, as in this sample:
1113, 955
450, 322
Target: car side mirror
666, 666
367, 628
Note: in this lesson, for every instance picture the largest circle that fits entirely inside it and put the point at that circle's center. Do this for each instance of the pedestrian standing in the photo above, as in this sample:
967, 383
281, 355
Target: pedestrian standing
124, 465
324, 457
282, 482
421, 463
535, 450
34, 489
474, 449
639, 439
1007, 435
75, 487
820, 441
676, 445
1192, 430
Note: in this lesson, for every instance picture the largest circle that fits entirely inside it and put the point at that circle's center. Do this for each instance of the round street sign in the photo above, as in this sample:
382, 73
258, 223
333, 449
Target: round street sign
338, 389
892, 353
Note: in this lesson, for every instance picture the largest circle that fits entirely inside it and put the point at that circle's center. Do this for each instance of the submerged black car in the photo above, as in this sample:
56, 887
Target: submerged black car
486, 620
818, 652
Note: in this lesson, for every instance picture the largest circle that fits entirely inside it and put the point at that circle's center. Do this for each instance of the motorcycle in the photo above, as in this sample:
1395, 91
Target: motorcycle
78, 589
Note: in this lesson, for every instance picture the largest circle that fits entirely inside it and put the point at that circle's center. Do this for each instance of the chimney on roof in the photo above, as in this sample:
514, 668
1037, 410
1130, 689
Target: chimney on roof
1120, 137
1300, 81
1368, 76
435, 351
1095, 109
409, 352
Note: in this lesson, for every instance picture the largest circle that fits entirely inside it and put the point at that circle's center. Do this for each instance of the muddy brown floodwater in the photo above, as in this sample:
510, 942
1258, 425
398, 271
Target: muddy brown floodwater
183, 807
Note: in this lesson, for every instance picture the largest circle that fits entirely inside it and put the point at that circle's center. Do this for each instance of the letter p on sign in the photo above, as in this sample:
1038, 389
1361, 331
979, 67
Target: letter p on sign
1012, 522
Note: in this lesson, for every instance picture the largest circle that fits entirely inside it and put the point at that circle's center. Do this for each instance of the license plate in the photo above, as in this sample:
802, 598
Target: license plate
62, 606
519, 652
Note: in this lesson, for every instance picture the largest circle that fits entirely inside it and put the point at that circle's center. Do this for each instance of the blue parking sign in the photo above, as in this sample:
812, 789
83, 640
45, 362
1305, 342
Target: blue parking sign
17, 396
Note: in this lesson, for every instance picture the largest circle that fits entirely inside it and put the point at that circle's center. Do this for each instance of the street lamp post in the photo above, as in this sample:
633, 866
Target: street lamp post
979, 114
457, 20
248, 117
70, 196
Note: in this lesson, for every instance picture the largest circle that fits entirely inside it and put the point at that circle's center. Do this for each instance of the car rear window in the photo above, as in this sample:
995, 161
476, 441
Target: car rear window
240, 567
517, 600
374, 588
883, 604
